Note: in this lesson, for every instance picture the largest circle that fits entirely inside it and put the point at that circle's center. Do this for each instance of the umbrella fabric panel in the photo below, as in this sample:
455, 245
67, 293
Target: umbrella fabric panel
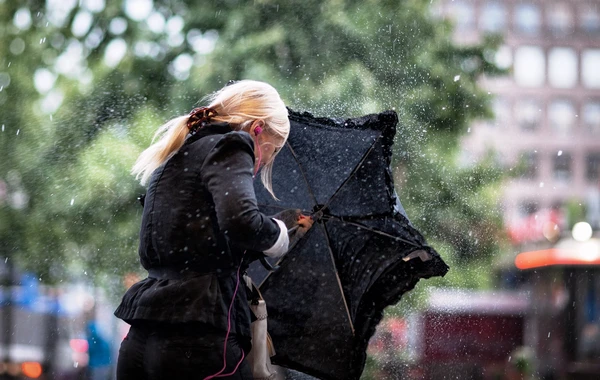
328, 155
365, 192
307, 311
369, 314
289, 185
362, 257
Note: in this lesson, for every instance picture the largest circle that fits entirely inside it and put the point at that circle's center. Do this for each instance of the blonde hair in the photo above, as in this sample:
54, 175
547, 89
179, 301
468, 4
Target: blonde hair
238, 104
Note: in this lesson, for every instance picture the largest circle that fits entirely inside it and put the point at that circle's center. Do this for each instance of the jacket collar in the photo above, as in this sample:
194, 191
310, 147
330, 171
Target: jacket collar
209, 129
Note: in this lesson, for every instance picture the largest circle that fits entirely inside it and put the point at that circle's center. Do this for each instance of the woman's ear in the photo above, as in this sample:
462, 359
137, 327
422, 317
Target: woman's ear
257, 127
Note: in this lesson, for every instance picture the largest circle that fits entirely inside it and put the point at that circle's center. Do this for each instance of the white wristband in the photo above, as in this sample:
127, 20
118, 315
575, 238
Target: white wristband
283, 241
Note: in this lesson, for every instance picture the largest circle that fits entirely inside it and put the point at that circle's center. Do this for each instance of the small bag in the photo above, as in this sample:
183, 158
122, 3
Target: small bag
259, 357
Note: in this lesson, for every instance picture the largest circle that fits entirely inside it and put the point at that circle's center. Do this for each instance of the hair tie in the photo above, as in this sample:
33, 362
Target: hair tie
199, 117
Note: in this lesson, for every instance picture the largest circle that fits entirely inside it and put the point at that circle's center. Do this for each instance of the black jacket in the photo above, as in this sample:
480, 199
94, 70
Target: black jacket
200, 216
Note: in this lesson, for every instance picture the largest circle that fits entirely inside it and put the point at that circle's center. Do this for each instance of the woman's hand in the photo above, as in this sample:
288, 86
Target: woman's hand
296, 223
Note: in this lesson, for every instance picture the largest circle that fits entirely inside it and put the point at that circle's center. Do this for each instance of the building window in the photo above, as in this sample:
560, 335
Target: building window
560, 19
529, 163
589, 18
590, 62
527, 19
591, 117
562, 67
592, 167
530, 66
561, 115
528, 207
503, 57
493, 17
462, 14
528, 114
562, 166
501, 109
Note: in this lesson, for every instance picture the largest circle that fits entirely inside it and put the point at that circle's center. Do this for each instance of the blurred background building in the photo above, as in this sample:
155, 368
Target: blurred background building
547, 124
546, 133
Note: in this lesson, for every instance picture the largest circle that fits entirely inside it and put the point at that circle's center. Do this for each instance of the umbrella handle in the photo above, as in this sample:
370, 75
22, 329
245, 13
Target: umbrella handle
268, 265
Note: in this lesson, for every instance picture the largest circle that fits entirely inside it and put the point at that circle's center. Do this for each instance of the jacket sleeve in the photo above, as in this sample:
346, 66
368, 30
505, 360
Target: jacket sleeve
227, 174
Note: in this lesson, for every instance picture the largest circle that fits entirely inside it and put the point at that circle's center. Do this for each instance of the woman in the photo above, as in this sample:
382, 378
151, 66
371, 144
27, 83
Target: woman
200, 228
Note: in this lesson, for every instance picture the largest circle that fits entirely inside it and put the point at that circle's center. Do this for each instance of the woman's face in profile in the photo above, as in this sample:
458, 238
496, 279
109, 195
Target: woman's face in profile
270, 145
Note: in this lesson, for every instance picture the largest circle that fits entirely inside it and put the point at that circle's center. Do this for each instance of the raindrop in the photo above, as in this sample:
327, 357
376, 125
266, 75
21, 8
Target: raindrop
42, 40
72, 201
560, 152
2, 127
18, 130
456, 78
541, 184
548, 334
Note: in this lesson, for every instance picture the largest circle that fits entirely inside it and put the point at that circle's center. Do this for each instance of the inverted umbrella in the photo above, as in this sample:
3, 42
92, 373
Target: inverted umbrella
362, 254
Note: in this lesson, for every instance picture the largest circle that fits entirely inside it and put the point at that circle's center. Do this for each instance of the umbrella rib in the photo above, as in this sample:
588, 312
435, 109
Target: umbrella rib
370, 229
302, 172
337, 277
354, 170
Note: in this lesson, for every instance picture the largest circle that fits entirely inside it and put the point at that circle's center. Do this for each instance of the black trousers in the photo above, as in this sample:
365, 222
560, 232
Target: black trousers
169, 352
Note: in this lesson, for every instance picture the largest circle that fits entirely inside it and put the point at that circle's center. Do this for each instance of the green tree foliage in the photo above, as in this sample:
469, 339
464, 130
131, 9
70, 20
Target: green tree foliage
89, 85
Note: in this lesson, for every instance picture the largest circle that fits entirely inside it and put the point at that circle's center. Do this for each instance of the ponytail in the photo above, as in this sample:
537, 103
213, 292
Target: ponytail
166, 142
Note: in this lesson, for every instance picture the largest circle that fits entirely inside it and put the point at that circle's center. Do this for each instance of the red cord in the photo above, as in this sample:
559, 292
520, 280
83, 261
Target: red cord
220, 373
259, 158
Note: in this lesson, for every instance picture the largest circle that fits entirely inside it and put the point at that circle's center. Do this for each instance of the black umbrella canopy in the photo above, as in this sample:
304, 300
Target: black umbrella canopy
361, 255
